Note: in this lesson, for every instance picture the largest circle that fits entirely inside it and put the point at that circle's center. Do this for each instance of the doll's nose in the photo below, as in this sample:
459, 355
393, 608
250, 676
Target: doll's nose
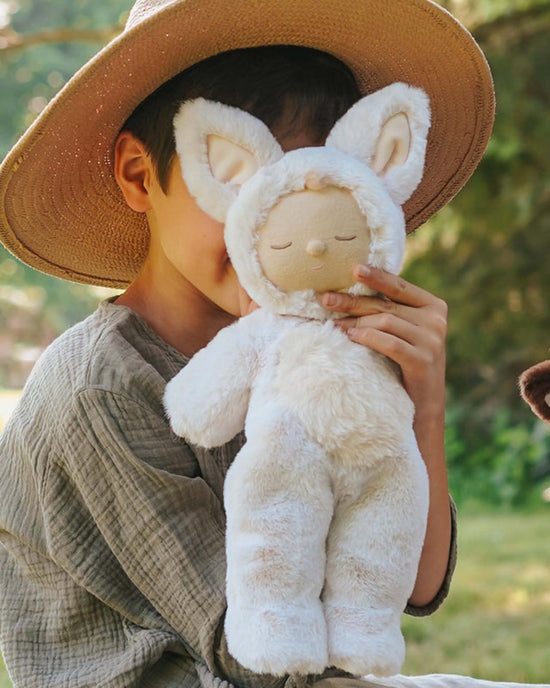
316, 247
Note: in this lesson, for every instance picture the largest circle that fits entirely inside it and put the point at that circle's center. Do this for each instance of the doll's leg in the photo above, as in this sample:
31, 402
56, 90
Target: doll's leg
279, 505
372, 556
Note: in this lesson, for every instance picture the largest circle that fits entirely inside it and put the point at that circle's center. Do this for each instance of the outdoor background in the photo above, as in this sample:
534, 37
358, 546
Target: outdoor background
487, 255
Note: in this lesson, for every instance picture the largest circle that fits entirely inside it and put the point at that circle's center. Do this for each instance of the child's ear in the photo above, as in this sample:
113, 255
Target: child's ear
133, 171
388, 130
219, 148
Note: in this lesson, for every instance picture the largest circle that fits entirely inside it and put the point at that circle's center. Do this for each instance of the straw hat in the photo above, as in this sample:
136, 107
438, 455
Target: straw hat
60, 208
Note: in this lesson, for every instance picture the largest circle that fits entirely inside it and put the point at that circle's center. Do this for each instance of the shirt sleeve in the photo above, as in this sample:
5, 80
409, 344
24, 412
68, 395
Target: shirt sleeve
443, 591
131, 519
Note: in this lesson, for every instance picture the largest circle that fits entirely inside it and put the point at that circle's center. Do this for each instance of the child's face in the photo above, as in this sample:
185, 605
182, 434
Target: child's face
188, 245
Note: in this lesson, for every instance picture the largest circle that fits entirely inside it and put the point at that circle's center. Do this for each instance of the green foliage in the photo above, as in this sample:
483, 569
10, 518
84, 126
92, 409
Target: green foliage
36, 15
486, 255
34, 306
503, 463
32, 76
492, 240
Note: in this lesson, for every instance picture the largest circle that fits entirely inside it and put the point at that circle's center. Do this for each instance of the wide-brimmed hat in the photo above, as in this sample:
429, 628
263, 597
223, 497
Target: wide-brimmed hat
60, 208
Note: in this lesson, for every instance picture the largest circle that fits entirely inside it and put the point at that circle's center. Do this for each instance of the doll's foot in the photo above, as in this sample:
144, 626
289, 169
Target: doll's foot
278, 640
364, 641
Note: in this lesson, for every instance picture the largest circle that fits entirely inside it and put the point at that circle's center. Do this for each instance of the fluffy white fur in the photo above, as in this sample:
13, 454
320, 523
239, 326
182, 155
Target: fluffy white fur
327, 501
198, 119
348, 134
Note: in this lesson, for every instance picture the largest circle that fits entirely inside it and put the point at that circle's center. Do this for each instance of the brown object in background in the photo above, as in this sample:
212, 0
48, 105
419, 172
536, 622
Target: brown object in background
535, 389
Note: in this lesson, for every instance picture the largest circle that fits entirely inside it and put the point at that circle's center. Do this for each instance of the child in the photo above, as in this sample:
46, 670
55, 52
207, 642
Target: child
112, 564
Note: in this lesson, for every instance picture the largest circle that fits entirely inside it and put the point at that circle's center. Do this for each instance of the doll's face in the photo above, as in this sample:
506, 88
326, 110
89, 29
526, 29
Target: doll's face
312, 240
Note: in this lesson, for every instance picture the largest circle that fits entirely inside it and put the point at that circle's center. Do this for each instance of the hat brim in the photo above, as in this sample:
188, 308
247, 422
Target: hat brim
60, 208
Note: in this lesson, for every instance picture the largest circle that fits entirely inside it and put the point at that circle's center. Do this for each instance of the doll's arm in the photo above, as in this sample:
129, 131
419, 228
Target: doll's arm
207, 400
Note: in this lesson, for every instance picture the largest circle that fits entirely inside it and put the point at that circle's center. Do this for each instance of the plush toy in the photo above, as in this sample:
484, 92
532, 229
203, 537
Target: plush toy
327, 500
535, 389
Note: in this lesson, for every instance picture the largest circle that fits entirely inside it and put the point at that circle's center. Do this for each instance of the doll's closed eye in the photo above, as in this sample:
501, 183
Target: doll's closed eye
279, 247
346, 238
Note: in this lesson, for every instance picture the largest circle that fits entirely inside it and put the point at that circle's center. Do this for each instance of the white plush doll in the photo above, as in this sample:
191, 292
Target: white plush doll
327, 501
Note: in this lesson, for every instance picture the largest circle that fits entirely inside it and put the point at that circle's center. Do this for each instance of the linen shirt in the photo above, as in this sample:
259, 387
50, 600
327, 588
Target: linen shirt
112, 528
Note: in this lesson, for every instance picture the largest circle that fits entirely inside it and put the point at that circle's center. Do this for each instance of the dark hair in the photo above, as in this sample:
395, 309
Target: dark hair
290, 88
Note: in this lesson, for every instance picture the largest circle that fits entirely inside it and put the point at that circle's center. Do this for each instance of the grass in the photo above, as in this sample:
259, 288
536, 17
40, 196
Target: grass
495, 624
4, 678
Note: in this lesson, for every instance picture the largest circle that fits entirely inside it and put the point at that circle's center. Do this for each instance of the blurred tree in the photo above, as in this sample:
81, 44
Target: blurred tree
38, 68
487, 254
34, 65
493, 239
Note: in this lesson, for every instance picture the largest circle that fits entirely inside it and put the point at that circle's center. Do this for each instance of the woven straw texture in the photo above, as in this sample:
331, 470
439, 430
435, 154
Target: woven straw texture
60, 208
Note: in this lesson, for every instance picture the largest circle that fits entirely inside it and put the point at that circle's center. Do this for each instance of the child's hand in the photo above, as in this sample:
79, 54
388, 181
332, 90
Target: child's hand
409, 326
246, 304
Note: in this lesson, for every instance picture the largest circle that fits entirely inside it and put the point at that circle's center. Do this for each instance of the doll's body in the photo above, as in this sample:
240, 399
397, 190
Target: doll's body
327, 501
321, 585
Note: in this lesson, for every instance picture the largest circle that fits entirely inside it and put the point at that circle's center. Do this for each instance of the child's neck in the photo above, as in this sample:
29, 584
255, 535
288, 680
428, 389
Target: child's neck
179, 314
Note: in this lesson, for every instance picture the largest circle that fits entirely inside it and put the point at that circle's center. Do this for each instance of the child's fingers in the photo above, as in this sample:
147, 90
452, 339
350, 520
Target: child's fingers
385, 322
394, 287
392, 346
403, 300
426, 344
359, 306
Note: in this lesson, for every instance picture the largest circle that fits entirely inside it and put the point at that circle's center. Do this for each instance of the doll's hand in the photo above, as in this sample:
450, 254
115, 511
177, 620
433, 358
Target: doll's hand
409, 326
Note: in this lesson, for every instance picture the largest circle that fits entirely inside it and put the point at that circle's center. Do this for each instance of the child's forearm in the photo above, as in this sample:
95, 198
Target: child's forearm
429, 429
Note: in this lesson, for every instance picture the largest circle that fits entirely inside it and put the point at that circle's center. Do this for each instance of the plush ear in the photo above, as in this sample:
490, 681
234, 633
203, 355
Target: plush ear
388, 131
219, 148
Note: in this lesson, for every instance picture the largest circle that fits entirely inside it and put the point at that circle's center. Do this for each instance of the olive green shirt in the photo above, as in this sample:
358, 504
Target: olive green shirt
112, 528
